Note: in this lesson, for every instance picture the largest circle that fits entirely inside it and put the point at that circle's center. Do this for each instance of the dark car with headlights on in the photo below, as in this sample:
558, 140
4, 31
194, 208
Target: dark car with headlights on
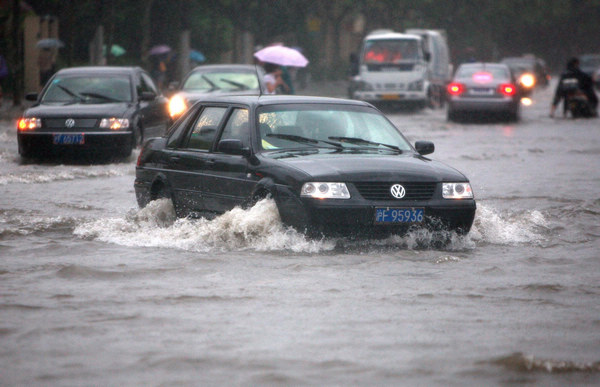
331, 165
529, 71
484, 89
92, 110
238, 79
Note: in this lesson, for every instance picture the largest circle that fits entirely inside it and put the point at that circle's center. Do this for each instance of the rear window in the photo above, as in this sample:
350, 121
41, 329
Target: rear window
495, 71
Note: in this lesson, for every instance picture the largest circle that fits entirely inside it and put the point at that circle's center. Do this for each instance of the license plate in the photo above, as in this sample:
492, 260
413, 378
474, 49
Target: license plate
389, 97
482, 91
69, 139
386, 215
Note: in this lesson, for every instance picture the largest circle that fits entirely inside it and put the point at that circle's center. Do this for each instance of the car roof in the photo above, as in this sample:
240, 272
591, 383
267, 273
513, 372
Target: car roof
224, 67
98, 70
262, 100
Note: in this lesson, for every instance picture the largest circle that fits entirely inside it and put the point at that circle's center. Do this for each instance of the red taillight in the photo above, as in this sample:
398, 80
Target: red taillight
508, 89
455, 88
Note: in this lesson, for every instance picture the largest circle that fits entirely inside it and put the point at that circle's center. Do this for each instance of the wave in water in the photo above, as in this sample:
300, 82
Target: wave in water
528, 363
259, 228
61, 173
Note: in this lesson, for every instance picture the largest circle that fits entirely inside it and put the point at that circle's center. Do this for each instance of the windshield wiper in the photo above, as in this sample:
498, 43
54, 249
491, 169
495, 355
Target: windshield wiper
213, 86
301, 139
101, 96
71, 93
240, 86
359, 141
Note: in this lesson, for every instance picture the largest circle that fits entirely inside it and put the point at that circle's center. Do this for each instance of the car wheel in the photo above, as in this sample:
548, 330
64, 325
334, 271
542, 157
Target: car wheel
451, 115
127, 148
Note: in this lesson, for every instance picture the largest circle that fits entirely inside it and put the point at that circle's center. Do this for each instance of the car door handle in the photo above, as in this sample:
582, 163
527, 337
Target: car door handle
210, 162
174, 159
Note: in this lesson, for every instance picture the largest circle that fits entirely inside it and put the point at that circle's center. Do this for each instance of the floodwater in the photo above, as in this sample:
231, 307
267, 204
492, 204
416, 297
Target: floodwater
94, 291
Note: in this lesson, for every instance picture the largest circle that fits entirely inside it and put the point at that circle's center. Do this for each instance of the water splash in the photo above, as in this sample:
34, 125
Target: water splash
528, 363
259, 228
492, 226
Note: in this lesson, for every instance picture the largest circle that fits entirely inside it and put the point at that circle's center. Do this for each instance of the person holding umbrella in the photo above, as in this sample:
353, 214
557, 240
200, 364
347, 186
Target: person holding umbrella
273, 79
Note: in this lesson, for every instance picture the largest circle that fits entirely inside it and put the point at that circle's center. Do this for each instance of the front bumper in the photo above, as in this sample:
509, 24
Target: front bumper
390, 96
42, 143
356, 216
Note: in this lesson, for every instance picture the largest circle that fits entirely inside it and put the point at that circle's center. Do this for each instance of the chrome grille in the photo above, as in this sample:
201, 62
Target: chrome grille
381, 190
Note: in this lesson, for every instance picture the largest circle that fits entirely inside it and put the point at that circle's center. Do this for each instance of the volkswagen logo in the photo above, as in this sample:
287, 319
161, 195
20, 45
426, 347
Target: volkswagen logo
397, 191
69, 123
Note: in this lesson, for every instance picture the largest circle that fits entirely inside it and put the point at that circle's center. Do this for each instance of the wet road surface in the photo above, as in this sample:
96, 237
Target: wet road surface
95, 291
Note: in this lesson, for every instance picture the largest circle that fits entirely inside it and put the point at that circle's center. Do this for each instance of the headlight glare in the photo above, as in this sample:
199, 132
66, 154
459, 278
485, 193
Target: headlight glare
325, 191
177, 106
114, 123
457, 191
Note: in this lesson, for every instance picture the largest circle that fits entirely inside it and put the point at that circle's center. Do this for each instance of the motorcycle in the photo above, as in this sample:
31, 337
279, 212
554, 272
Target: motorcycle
576, 102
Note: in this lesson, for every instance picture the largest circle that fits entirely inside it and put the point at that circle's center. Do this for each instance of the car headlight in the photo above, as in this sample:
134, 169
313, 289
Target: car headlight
30, 123
114, 123
365, 86
416, 85
457, 191
320, 190
527, 80
177, 106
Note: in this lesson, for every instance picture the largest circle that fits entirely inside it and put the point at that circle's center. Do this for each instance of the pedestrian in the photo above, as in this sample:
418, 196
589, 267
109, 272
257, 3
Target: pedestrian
3, 75
273, 79
47, 67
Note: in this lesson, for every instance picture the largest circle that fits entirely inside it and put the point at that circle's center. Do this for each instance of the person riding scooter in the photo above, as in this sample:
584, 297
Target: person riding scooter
574, 83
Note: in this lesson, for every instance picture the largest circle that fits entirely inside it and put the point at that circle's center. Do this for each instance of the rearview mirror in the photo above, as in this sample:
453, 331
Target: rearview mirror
147, 96
424, 147
31, 96
232, 147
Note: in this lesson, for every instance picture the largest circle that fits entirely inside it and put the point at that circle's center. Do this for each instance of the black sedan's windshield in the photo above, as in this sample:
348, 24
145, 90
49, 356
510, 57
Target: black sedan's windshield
89, 89
335, 126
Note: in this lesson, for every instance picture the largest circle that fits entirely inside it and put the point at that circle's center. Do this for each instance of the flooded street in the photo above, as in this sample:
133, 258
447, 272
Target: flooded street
95, 291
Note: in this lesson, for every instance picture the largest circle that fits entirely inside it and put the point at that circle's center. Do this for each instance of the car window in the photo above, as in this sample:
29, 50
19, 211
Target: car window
147, 84
175, 132
89, 89
237, 126
495, 71
205, 128
300, 126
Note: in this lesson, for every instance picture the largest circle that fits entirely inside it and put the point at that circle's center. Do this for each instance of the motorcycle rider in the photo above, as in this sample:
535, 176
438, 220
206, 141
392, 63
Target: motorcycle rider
585, 84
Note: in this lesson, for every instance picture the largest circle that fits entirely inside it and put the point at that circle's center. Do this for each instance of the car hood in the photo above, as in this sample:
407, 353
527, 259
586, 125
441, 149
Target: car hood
118, 109
372, 167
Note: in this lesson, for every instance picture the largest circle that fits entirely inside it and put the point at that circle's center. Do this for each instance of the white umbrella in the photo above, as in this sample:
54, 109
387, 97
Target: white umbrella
281, 55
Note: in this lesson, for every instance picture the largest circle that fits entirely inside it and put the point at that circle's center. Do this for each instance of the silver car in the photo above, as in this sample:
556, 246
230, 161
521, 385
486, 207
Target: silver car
483, 89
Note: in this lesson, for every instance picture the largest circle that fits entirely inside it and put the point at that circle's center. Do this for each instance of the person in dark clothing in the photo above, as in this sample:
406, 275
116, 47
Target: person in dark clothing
586, 85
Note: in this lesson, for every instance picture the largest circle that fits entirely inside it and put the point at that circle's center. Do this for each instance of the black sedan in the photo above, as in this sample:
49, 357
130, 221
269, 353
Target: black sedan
93, 110
331, 165
238, 79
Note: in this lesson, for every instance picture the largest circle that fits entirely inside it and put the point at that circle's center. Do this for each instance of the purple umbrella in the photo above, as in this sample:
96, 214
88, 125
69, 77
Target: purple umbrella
160, 49
281, 55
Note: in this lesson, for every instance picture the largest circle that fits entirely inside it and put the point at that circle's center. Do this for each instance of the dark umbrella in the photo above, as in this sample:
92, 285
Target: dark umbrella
49, 43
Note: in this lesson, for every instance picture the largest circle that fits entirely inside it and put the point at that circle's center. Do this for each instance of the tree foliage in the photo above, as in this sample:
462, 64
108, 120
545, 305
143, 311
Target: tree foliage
486, 29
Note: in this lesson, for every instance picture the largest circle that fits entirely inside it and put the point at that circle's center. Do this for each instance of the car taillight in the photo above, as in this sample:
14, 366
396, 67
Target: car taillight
507, 89
455, 88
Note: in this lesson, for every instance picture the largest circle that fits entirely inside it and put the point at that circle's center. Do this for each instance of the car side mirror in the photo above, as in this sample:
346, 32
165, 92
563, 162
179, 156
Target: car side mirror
233, 147
173, 86
424, 147
147, 96
31, 96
